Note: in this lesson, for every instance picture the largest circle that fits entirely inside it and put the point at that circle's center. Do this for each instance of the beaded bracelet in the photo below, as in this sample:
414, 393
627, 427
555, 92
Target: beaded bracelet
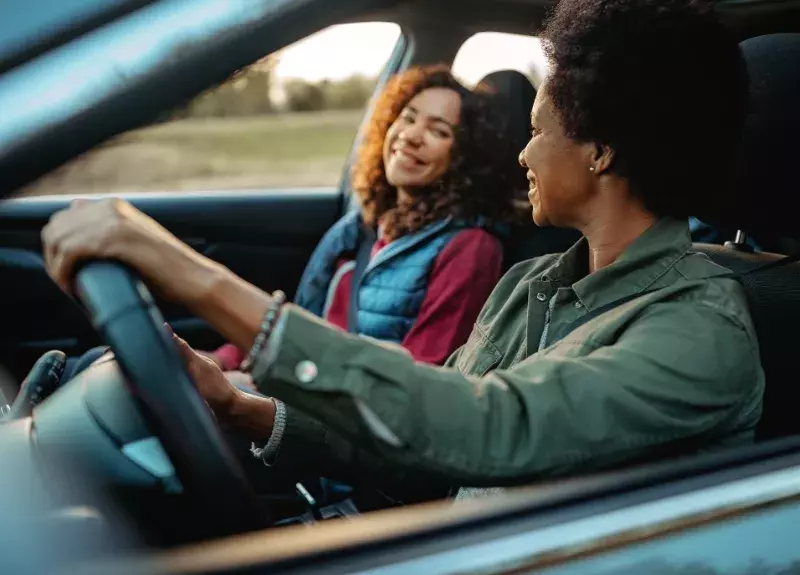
265, 331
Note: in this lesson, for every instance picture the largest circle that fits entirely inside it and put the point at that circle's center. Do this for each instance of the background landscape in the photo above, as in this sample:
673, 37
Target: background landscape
288, 120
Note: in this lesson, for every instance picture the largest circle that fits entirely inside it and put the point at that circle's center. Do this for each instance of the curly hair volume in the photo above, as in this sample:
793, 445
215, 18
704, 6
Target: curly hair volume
663, 84
484, 178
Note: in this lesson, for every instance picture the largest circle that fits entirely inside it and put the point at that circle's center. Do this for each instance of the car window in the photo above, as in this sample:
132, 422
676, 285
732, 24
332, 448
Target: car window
488, 52
286, 121
762, 543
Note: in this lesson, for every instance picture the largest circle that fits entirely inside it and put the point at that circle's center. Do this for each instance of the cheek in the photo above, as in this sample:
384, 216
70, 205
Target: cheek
533, 155
442, 153
391, 136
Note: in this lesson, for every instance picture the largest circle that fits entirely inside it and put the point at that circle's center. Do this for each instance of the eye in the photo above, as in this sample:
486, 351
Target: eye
441, 133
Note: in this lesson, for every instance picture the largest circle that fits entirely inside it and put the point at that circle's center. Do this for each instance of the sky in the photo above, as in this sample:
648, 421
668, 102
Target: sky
340, 51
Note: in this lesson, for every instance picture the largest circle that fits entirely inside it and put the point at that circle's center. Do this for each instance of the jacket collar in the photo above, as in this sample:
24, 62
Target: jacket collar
406, 243
639, 267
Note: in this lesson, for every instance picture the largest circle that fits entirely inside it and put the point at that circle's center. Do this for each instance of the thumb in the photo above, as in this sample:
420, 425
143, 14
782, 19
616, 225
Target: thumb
189, 355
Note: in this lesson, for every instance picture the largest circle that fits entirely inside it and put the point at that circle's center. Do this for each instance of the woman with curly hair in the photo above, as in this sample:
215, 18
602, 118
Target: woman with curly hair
436, 183
626, 347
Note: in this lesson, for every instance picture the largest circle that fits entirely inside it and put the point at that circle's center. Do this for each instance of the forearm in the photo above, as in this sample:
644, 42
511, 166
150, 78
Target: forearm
234, 307
251, 415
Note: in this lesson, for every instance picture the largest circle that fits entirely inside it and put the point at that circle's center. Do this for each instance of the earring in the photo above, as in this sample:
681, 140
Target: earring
591, 168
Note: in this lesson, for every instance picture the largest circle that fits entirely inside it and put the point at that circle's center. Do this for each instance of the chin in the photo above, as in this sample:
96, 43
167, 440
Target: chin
398, 180
539, 218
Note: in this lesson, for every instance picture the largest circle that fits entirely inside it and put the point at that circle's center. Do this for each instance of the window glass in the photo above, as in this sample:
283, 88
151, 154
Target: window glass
488, 52
764, 543
286, 121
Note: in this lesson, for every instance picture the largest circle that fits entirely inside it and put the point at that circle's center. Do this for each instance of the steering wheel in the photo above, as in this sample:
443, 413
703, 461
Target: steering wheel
125, 315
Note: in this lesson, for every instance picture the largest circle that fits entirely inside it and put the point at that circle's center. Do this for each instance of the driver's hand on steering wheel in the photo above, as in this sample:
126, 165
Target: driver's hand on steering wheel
253, 414
114, 229
210, 380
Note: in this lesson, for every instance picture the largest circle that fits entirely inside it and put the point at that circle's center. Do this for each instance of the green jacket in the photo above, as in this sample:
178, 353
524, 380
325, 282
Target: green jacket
675, 370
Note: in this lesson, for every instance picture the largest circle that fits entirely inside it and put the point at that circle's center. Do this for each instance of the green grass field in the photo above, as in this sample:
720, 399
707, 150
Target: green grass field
214, 154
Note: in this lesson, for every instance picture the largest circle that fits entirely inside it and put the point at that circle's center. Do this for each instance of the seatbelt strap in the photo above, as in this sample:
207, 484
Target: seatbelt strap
792, 258
366, 242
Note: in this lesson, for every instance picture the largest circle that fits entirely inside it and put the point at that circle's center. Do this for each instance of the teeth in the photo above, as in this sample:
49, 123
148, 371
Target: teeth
402, 154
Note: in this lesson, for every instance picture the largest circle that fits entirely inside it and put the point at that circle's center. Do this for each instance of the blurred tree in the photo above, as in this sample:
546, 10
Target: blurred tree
245, 93
352, 93
302, 96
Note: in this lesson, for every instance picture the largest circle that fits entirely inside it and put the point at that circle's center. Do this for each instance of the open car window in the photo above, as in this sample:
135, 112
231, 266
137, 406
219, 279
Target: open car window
286, 121
488, 52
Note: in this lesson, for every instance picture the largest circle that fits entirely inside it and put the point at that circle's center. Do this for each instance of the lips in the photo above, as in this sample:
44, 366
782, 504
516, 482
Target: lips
407, 157
532, 184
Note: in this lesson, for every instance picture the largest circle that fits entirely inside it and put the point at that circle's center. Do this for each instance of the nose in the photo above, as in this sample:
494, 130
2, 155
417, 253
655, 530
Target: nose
412, 133
521, 158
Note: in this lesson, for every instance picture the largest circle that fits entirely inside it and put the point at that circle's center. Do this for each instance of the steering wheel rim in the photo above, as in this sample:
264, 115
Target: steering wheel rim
124, 313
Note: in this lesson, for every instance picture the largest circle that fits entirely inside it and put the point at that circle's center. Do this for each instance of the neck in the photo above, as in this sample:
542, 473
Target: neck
403, 197
612, 228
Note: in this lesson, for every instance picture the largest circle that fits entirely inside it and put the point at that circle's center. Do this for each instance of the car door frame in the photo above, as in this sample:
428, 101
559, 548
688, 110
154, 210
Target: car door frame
527, 530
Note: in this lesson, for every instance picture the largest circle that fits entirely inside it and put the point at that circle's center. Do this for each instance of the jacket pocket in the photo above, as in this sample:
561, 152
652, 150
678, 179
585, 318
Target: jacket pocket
479, 355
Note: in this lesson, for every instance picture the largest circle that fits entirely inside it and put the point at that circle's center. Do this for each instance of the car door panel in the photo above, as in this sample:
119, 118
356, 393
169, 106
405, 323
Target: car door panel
264, 236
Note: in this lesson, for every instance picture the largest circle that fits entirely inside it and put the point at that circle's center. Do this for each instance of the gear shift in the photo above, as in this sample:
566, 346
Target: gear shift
43, 379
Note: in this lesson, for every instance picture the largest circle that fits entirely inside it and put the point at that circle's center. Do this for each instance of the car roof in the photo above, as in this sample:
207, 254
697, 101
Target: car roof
50, 117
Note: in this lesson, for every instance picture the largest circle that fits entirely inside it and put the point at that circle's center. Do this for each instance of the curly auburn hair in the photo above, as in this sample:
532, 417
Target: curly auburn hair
663, 84
483, 179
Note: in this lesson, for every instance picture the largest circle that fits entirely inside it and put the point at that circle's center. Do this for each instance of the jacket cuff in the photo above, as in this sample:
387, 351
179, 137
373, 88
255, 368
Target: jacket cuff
306, 365
268, 453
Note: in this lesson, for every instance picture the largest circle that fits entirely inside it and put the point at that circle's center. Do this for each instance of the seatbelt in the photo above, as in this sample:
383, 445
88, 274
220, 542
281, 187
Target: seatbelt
792, 258
366, 242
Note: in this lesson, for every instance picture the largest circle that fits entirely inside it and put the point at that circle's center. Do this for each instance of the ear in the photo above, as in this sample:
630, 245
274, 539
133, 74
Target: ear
603, 159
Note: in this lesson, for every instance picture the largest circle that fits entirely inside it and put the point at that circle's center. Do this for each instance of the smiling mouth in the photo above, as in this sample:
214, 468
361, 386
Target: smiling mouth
406, 158
533, 187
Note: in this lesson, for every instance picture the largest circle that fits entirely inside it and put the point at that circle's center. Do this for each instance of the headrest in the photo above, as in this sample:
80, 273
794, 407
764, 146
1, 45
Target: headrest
515, 95
767, 175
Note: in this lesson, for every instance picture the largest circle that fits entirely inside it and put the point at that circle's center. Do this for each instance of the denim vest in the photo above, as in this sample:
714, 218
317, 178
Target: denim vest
394, 283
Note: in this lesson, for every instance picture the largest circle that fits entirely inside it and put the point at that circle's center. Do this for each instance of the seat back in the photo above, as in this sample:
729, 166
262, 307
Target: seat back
774, 301
762, 205
514, 96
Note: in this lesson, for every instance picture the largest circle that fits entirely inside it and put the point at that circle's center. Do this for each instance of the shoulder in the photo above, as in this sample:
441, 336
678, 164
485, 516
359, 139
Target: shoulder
708, 285
696, 266
343, 234
474, 239
470, 252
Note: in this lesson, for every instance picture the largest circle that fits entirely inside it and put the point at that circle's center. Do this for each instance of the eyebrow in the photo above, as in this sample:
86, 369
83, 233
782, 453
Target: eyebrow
434, 118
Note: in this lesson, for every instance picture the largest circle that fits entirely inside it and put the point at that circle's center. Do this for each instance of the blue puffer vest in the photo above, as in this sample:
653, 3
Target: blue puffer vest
394, 282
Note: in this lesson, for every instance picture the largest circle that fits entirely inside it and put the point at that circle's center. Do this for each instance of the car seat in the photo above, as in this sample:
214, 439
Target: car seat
514, 95
761, 205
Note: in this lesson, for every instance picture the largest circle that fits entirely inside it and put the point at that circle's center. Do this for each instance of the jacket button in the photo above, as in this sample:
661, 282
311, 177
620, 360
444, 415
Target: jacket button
541, 296
578, 304
305, 371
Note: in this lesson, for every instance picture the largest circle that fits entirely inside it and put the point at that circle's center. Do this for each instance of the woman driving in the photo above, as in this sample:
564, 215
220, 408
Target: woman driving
627, 346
